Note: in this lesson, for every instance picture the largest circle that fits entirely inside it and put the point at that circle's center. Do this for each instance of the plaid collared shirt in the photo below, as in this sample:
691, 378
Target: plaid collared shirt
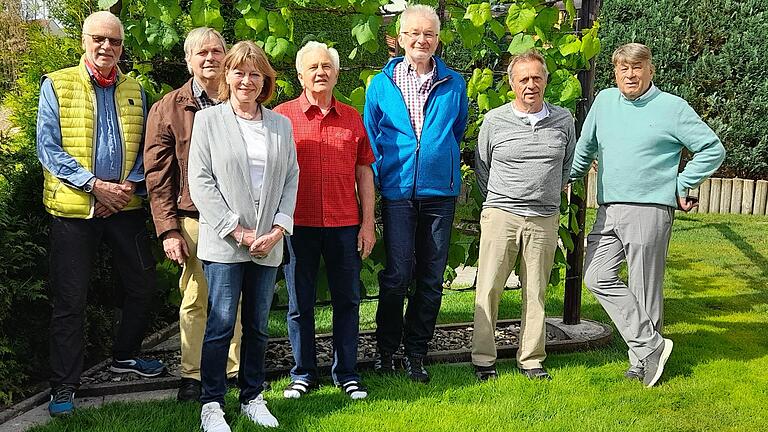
415, 91
201, 97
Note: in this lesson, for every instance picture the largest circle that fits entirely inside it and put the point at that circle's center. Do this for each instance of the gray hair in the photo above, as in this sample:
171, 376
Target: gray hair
528, 56
103, 16
632, 53
196, 38
420, 10
311, 46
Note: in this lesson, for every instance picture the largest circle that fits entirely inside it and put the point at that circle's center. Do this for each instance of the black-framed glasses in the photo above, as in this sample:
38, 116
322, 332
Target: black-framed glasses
99, 40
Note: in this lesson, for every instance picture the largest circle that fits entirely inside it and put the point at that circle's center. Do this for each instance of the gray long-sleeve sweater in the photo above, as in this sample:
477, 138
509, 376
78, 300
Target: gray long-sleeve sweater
521, 169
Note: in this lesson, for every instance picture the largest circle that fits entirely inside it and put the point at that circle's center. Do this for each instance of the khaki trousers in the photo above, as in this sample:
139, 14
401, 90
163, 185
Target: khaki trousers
503, 236
193, 311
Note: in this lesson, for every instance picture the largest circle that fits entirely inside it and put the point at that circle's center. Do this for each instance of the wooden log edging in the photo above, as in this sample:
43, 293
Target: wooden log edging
716, 195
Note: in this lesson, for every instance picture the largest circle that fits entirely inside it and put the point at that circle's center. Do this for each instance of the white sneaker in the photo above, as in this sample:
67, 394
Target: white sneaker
212, 418
256, 410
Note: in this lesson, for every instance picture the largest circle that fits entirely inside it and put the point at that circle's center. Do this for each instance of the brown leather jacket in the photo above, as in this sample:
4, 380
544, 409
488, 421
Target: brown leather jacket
166, 151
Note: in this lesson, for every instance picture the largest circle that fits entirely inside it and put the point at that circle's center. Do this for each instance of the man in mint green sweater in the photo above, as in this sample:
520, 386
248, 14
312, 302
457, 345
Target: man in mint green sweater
637, 134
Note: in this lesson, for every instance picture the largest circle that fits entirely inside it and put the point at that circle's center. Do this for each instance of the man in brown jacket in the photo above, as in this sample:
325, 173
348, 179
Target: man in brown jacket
166, 150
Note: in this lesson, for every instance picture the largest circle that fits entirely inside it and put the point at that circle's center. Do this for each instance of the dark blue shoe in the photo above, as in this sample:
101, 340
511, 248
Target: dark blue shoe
62, 401
146, 368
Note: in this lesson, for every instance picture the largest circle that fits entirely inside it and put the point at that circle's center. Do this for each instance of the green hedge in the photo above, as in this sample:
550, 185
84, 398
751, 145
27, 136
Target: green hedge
714, 55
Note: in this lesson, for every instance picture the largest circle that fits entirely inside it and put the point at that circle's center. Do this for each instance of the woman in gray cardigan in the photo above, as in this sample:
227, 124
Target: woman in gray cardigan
243, 178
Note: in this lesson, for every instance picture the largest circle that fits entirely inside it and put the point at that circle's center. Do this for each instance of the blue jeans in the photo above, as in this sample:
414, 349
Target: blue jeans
417, 234
338, 247
226, 282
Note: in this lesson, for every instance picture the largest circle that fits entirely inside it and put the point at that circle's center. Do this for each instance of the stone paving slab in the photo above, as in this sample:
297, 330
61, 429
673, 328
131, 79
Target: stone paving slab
39, 415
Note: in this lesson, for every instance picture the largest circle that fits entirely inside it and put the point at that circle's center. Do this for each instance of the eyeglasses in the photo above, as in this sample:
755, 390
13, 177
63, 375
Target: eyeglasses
99, 40
416, 36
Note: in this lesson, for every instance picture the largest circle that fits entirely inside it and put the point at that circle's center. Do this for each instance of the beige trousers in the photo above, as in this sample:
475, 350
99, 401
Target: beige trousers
193, 311
503, 236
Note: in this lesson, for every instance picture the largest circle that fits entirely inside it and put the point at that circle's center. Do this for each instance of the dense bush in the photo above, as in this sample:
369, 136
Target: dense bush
713, 54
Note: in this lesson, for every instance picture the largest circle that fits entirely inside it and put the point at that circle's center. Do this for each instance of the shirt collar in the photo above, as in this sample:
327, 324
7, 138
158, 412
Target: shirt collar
410, 68
648, 93
198, 90
306, 105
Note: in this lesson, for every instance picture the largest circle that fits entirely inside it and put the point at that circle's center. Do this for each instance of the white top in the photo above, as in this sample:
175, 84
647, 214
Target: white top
255, 139
533, 118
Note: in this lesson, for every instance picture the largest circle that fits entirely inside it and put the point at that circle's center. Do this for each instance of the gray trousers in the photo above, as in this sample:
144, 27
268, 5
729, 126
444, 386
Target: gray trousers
639, 234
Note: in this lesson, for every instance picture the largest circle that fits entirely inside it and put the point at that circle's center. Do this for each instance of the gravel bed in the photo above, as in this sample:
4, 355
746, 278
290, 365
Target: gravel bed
279, 351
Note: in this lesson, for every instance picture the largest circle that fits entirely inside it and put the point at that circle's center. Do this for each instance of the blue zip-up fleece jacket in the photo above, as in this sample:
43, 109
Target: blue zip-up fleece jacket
408, 168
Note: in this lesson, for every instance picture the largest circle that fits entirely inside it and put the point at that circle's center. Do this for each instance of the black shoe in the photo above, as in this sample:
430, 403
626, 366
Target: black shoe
536, 373
384, 364
414, 367
485, 373
189, 390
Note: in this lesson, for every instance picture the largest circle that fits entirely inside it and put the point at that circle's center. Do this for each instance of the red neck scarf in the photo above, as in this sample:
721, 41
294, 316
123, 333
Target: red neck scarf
101, 80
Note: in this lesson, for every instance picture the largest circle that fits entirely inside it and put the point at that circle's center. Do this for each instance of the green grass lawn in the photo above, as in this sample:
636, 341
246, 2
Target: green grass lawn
716, 379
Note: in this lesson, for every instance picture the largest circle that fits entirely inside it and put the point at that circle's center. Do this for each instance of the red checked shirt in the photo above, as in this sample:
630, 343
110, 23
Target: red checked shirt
415, 90
328, 149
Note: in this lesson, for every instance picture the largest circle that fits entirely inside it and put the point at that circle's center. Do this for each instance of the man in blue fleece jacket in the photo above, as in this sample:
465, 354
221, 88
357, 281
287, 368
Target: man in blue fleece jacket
415, 116
637, 133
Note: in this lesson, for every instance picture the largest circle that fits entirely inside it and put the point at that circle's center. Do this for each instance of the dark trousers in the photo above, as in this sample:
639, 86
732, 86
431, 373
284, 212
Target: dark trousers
338, 247
74, 243
227, 282
417, 234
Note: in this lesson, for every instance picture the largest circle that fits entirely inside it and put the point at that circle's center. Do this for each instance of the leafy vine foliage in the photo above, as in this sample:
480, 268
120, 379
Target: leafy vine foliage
484, 34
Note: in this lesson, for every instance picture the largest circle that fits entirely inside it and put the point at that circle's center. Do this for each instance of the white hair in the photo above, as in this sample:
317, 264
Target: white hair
196, 38
314, 45
103, 16
422, 10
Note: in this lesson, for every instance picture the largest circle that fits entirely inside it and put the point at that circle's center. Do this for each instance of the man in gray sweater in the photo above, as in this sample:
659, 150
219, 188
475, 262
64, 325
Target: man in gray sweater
523, 158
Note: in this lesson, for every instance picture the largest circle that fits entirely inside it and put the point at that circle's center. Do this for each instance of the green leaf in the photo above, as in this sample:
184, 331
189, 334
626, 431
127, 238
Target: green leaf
497, 28
478, 14
494, 98
483, 102
446, 36
257, 20
545, 21
521, 43
590, 44
277, 25
571, 9
285, 86
206, 13
571, 90
366, 75
565, 236
242, 30
569, 44
366, 7
245, 6
357, 98
106, 4
352, 54
161, 34
165, 10
366, 28
470, 35
520, 17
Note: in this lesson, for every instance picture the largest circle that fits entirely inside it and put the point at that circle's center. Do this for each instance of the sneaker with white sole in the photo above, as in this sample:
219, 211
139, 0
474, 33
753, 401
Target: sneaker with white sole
212, 418
354, 389
654, 363
256, 410
144, 367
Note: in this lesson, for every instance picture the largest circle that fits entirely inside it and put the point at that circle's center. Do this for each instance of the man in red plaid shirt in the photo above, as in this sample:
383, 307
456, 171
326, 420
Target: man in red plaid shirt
335, 182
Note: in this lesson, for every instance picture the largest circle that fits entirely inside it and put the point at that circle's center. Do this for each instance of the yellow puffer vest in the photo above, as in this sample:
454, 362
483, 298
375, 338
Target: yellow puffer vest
77, 119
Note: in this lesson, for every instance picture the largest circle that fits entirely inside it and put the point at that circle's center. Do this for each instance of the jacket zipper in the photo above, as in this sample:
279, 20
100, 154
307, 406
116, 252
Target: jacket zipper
418, 138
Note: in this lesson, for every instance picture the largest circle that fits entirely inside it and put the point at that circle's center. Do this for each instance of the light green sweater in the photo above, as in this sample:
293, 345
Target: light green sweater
638, 146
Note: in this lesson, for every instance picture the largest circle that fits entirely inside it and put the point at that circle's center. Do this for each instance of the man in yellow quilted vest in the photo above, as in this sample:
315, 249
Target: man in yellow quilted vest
90, 128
